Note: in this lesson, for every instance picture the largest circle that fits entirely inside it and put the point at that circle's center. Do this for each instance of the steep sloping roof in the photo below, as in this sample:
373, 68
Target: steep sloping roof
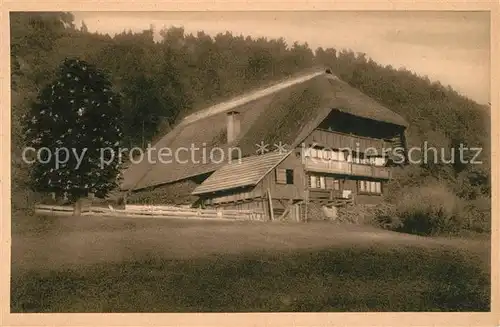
286, 112
245, 172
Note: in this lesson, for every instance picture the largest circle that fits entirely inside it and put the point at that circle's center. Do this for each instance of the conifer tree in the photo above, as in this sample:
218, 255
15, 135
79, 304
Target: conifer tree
78, 119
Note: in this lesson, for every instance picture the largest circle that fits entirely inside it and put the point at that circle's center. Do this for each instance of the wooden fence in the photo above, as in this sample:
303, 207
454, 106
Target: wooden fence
146, 211
56, 210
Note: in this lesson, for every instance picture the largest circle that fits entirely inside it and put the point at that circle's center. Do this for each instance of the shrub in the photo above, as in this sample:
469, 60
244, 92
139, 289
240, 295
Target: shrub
476, 215
384, 215
431, 209
434, 209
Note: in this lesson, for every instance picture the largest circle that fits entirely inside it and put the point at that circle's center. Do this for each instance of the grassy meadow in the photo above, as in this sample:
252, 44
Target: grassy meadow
95, 264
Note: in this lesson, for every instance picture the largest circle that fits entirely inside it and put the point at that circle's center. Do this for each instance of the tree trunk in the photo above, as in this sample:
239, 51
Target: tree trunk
77, 209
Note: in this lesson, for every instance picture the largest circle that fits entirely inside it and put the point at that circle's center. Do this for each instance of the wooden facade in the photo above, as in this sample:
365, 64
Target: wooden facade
328, 167
337, 135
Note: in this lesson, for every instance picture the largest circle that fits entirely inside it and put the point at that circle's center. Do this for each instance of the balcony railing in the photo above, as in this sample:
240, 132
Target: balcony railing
328, 166
328, 195
336, 140
346, 168
381, 172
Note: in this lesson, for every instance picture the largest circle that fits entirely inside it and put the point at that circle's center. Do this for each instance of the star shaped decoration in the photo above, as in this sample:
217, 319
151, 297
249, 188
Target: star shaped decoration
281, 148
262, 147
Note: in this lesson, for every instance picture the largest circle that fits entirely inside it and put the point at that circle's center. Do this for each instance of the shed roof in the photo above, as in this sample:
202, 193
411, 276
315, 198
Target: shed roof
245, 172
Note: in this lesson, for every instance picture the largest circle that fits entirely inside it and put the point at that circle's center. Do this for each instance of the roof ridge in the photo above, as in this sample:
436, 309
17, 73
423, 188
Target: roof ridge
249, 96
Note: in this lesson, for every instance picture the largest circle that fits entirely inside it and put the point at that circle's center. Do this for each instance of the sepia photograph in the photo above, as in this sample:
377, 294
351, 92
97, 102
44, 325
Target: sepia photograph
246, 162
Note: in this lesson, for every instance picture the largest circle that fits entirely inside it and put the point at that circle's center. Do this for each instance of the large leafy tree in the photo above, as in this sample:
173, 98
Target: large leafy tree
78, 118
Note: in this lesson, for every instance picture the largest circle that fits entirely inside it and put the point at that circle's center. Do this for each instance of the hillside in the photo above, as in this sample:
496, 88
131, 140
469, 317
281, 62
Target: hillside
160, 82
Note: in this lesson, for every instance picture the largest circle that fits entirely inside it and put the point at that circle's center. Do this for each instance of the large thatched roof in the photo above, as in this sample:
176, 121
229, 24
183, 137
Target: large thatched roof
285, 112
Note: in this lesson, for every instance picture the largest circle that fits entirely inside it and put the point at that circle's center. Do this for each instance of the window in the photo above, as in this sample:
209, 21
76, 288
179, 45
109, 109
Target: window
369, 187
312, 181
322, 183
377, 161
317, 182
362, 186
359, 158
289, 176
284, 176
380, 161
336, 184
320, 153
338, 155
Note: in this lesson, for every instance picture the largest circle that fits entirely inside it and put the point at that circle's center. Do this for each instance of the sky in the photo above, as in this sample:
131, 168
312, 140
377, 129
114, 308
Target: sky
450, 47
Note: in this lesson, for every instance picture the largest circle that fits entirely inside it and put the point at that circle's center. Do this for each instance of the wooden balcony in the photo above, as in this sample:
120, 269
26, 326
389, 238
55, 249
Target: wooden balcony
328, 166
361, 170
337, 140
329, 196
381, 172
346, 168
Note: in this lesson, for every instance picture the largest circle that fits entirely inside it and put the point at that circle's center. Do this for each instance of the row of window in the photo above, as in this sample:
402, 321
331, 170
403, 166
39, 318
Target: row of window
329, 183
324, 182
285, 176
369, 187
355, 157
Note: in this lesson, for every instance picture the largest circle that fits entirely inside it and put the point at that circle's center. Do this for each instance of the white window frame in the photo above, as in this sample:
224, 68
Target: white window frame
322, 182
312, 181
317, 181
370, 187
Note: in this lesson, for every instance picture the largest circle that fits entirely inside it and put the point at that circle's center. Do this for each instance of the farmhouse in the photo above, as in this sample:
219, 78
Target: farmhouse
309, 139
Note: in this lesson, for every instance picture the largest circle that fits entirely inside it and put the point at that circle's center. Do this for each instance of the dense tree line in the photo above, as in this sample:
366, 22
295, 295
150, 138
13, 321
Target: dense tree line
159, 82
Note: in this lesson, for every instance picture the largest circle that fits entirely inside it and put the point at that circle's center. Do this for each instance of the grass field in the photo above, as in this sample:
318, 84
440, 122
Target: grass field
91, 264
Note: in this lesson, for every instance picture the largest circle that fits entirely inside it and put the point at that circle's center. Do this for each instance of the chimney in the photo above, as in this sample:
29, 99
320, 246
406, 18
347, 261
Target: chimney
233, 125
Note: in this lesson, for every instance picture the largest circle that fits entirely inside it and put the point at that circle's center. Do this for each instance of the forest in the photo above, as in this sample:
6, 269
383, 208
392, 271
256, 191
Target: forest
159, 82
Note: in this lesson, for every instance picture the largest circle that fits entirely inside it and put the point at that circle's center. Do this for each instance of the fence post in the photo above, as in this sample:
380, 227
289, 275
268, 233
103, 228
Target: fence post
271, 211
